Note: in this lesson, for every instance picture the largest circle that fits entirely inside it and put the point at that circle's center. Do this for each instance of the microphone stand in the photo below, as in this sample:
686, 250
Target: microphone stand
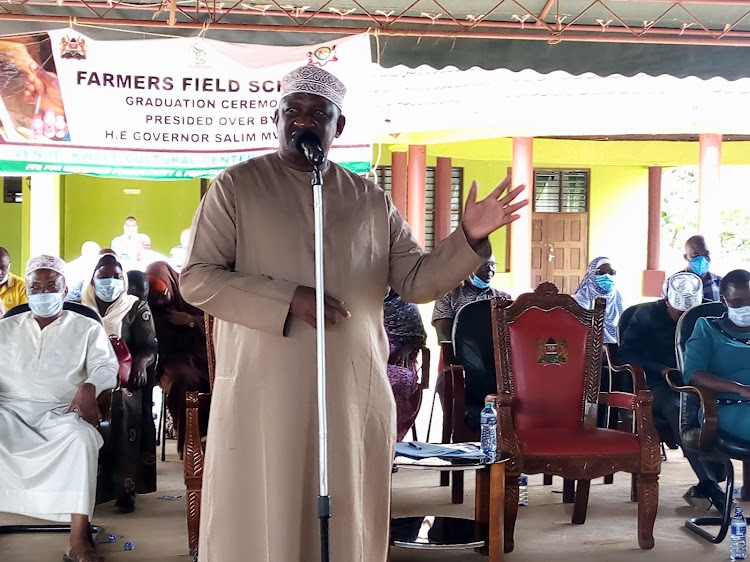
324, 500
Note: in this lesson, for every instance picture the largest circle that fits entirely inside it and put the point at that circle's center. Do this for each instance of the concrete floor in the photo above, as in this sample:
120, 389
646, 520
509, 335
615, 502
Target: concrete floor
543, 531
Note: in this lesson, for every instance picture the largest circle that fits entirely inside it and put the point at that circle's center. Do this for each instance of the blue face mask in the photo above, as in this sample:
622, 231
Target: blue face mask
108, 289
478, 283
699, 265
606, 282
46, 305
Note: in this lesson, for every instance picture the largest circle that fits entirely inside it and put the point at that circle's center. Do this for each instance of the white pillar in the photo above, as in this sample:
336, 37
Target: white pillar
44, 211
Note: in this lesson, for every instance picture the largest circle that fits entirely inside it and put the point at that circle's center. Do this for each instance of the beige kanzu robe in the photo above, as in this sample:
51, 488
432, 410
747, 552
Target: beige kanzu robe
253, 244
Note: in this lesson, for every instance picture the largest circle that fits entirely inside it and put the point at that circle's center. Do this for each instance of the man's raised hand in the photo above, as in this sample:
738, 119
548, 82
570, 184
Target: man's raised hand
481, 218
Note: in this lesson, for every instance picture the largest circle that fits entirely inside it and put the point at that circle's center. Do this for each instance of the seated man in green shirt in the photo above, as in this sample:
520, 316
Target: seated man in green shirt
717, 356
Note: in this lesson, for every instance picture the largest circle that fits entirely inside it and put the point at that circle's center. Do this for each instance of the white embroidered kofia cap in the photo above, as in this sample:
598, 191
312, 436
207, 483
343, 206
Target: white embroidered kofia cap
45, 262
684, 290
311, 79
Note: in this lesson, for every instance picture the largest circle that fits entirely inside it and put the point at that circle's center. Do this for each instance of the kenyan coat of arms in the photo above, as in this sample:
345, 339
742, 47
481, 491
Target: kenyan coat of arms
73, 47
551, 352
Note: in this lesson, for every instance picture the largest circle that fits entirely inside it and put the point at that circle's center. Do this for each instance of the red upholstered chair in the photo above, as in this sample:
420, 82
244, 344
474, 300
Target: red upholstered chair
548, 356
194, 446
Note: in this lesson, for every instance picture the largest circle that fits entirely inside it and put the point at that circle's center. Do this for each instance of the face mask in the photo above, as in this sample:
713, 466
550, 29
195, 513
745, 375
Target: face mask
699, 265
478, 283
4, 280
606, 282
46, 305
739, 316
108, 289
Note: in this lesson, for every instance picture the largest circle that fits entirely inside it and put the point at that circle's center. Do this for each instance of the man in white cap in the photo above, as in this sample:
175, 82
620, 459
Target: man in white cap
53, 365
648, 341
250, 264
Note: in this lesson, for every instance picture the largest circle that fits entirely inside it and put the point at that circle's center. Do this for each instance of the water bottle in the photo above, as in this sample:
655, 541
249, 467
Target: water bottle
523, 490
488, 420
738, 544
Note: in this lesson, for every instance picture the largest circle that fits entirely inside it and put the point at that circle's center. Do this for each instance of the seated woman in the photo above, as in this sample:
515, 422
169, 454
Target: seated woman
599, 281
183, 359
53, 365
717, 357
129, 459
406, 335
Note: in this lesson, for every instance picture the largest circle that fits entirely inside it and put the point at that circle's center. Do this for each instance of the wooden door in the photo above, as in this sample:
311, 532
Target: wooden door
559, 243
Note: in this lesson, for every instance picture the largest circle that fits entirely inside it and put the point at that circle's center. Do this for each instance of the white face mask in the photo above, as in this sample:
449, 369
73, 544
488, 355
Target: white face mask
739, 316
46, 305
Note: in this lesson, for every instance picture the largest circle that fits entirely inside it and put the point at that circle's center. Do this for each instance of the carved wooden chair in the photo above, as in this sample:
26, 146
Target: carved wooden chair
469, 371
424, 384
699, 418
548, 356
104, 401
194, 446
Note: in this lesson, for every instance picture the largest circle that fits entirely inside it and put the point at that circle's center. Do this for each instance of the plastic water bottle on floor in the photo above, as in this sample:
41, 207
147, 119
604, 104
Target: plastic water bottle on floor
523, 490
738, 542
488, 421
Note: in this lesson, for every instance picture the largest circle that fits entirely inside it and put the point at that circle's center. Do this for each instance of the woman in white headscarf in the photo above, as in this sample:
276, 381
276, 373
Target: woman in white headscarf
129, 456
599, 281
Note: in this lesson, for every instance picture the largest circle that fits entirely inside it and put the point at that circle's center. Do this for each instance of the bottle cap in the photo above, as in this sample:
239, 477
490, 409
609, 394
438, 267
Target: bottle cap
489, 403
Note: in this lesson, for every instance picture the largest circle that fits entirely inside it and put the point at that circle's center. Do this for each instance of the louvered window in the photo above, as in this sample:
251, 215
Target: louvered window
12, 189
457, 177
561, 191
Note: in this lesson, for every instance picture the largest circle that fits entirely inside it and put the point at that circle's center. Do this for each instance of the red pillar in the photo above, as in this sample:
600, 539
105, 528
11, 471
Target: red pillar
708, 194
398, 181
416, 190
653, 278
520, 255
442, 199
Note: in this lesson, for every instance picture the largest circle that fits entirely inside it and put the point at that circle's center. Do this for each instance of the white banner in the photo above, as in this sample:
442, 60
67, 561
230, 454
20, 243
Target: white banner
161, 107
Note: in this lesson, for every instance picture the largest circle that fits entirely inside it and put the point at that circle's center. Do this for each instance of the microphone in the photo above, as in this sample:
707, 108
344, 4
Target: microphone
308, 143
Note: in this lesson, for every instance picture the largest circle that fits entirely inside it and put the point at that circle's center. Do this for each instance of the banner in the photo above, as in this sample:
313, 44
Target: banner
161, 108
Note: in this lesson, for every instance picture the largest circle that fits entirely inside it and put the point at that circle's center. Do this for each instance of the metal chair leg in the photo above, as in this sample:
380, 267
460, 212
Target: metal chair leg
163, 426
695, 524
96, 532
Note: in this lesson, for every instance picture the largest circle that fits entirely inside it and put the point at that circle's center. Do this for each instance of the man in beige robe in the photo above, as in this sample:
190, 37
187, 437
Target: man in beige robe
251, 265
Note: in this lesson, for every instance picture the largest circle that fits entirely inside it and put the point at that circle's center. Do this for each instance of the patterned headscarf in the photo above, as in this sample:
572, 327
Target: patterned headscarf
311, 79
684, 290
45, 262
588, 290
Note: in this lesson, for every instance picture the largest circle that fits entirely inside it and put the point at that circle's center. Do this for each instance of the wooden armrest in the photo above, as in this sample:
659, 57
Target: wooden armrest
618, 399
636, 371
458, 406
710, 418
424, 382
104, 401
507, 438
446, 351
199, 400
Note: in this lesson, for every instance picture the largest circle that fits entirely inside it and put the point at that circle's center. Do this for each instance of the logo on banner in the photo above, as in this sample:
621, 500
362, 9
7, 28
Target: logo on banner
198, 54
551, 352
322, 56
73, 47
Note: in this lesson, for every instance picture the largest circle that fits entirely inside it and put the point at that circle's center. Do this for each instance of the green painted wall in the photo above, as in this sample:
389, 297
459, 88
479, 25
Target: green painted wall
11, 236
95, 209
618, 224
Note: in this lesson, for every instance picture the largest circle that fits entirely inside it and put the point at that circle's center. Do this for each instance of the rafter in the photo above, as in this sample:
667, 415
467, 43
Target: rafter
240, 14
